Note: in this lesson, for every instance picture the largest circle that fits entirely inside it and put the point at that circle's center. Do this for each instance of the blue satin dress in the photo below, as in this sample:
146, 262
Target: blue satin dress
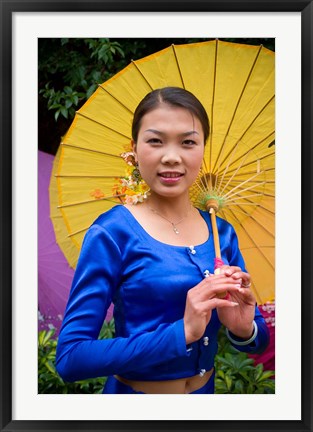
147, 281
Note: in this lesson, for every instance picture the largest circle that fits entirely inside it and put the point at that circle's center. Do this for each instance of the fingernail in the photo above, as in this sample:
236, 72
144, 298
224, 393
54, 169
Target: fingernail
235, 304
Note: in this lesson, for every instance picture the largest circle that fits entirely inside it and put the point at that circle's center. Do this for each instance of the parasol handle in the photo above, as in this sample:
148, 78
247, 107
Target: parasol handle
217, 247
215, 234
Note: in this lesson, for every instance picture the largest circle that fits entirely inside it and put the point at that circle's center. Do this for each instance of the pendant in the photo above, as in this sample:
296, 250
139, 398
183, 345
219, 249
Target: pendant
175, 229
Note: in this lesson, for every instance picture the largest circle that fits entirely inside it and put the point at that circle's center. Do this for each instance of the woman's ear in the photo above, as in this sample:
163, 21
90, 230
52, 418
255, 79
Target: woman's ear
134, 149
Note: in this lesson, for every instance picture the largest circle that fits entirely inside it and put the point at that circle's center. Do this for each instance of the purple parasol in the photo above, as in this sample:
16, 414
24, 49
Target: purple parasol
54, 274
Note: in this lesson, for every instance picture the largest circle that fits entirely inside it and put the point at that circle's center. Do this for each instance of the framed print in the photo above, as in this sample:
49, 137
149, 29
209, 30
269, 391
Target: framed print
22, 24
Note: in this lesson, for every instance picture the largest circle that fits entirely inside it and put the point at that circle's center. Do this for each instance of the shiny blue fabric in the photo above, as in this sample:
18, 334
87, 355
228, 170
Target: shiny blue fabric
147, 281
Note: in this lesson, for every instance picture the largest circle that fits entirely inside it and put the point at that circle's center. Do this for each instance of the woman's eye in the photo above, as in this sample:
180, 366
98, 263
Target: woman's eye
154, 141
189, 142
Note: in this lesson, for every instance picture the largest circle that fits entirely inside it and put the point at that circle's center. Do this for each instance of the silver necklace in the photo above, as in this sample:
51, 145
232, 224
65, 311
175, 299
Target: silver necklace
174, 225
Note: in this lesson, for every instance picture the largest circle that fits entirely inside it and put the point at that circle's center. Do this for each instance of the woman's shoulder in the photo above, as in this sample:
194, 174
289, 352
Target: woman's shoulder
114, 224
115, 217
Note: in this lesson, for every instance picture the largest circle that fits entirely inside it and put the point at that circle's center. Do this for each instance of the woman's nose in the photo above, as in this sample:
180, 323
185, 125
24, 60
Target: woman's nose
171, 156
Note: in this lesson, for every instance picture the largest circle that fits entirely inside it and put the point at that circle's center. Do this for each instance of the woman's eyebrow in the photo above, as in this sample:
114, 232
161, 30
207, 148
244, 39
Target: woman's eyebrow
190, 133
154, 131
163, 133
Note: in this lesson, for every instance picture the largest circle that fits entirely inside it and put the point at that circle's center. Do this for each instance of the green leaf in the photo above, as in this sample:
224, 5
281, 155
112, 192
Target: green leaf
220, 373
46, 336
64, 112
270, 384
68, 103
68, 90
91, 90
259, 390
50, 367
55, 106
258, 371
120, 51
239, 386
266, 375
228, 382
250, 388
75, 99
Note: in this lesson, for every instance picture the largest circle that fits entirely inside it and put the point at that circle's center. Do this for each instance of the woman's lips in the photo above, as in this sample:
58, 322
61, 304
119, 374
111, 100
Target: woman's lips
170, 177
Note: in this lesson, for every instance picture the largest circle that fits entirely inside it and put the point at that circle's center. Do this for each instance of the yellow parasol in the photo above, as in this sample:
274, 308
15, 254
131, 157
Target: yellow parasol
235, 83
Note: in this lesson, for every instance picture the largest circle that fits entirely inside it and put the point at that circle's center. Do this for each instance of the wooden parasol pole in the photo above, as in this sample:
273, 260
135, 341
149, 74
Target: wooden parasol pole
212, 207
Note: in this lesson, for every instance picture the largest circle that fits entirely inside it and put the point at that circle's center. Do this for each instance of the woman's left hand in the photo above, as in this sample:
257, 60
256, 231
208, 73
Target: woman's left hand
239, 320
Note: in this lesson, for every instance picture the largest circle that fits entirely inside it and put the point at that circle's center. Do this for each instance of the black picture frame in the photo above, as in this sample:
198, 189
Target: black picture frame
8, 7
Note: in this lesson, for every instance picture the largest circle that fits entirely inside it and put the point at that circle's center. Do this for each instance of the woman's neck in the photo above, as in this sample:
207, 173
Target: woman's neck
175, 207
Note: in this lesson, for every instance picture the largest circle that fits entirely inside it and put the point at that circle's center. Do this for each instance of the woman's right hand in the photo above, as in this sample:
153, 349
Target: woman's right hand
202, 299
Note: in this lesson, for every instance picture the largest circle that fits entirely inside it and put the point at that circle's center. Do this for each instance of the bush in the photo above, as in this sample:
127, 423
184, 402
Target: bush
235, 371
49, 381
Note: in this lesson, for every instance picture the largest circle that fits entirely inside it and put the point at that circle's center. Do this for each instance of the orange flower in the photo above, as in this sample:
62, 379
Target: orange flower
97, 194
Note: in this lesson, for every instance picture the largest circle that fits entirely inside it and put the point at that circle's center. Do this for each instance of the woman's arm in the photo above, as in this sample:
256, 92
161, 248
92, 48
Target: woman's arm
80, 355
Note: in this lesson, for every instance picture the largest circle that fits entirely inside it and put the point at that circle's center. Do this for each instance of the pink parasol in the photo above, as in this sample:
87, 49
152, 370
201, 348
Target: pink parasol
268, 357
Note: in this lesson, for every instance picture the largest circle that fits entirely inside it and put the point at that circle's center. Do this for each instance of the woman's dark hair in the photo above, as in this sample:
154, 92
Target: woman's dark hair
173, 96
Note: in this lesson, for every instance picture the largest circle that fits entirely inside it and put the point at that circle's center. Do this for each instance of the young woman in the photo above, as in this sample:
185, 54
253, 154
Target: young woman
154, 261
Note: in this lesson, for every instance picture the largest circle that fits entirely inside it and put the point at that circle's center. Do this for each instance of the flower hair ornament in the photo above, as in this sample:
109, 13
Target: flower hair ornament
131, 188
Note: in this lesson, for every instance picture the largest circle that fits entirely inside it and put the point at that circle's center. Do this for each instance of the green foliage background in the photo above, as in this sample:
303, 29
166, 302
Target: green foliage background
235, 371
69, 71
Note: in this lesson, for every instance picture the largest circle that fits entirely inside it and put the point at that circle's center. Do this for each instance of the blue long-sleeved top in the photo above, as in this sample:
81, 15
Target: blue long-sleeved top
147, 281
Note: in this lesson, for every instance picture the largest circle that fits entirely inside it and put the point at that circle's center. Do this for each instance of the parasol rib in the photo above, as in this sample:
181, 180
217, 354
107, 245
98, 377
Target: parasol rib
245, 197
241, 165
255, 245
261, 158
265, 170
85, 176
90, 201
90, 150
235, 172
237, 204
102, 124
241, 184
256, 221
244, 132
143, 76
236, 193
257, 182
178, 67
212, 109
260, 205
116, 100
237, 104
77, 232
256, 145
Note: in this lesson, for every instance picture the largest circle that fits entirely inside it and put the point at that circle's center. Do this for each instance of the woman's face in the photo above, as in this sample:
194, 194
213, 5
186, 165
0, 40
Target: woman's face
169, 150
